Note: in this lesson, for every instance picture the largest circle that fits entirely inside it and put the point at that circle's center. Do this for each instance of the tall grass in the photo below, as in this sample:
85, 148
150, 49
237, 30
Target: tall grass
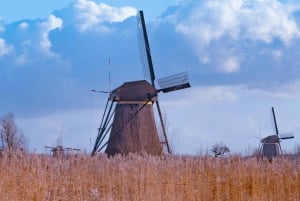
40, 177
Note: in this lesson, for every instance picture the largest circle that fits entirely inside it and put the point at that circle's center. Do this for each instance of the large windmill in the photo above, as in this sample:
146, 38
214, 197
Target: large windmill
270, 145
128, 122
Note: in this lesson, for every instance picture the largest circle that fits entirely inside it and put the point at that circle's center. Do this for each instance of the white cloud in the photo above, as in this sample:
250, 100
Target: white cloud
230, 65
280, 91
214, 93
23, 25
34, 44
47, 26
92, 15
209, 94
277, 22
4, 48
255, 20
227, 94
219, 29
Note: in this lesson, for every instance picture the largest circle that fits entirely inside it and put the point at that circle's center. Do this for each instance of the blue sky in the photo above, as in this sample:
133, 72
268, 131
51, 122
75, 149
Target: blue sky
242, 59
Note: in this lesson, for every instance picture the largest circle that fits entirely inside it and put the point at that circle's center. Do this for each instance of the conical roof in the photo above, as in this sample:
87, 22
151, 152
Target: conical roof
270, 139
134, 91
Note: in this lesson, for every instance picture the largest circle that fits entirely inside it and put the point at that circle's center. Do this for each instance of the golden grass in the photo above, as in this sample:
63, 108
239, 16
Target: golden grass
38, 177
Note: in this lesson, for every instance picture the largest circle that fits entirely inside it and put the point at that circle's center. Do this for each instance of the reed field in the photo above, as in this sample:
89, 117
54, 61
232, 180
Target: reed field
40, 177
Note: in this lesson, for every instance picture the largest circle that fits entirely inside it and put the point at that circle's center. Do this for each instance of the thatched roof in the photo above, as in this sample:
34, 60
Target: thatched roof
134, 91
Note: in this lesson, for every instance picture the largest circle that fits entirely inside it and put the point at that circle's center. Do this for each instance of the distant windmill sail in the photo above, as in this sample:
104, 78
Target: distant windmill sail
286, 136
270, 145
275, 122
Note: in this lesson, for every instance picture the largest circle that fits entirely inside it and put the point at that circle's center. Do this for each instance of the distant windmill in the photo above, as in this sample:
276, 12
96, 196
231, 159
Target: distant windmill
270, 145
60, 151
128, 123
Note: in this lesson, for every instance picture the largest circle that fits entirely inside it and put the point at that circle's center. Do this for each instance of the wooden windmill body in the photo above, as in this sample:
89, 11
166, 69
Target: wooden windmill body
133, 128
128, 123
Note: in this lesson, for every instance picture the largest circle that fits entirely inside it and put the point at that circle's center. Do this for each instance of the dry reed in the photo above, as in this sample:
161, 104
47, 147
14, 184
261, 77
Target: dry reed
41, 177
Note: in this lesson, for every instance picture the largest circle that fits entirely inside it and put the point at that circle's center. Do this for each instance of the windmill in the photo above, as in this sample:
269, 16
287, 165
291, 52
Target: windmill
128, 122
60, 151
270, 145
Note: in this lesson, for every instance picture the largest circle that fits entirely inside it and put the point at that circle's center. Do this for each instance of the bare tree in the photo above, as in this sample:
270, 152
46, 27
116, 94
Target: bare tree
219, 149
12, 138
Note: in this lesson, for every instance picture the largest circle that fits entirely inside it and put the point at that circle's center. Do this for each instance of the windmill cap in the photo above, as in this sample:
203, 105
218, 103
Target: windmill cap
134, 91
270, 139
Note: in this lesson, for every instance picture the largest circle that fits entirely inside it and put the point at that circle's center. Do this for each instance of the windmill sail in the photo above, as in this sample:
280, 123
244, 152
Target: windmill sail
170, 83
286, 136
280, 136
144, 49
174, 82
147, 65
275, 122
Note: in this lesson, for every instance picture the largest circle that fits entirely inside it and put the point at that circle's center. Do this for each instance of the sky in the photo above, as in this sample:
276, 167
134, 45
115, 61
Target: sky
241, 57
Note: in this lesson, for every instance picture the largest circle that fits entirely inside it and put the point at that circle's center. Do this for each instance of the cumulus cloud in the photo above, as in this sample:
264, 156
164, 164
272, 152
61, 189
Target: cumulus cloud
30, 40
23, 25
4, 48
46, 27
225, 31
92, 16
256, 20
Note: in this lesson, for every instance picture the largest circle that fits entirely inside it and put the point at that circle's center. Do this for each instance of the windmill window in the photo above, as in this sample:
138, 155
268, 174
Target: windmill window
133, 108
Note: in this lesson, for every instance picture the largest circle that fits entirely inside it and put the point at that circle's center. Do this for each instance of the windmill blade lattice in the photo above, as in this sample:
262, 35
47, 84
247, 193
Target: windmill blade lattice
174, 82
144, 49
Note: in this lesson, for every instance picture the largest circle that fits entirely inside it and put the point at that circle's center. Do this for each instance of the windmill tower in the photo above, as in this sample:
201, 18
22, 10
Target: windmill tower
270, 145
128, 124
